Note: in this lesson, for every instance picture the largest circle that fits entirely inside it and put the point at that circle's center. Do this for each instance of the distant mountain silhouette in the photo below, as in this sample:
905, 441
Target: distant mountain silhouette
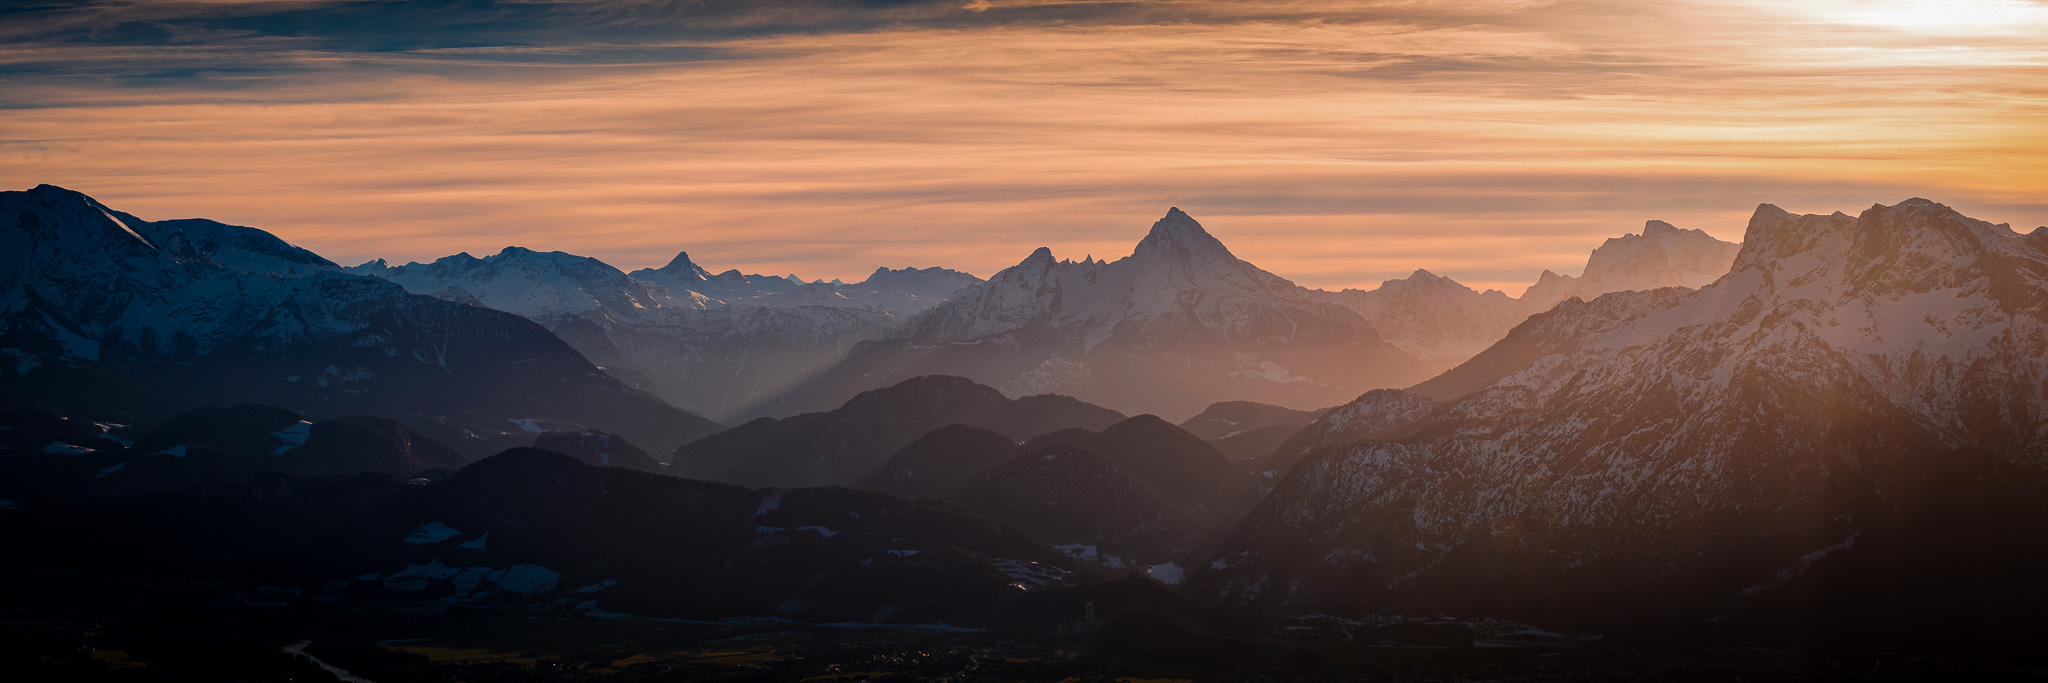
939, 459
1243, 430
1179, 466
1072, 497
848, 445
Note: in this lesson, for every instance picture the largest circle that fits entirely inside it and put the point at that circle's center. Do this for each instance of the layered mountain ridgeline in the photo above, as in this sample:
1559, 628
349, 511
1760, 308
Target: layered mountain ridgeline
111, 318
530, 527
718, 344
1180, 466
1243, 430
1082, 502
1444, 323
735, 346
1840, 438
848, 445
1177, 325
1140, 491
899, 292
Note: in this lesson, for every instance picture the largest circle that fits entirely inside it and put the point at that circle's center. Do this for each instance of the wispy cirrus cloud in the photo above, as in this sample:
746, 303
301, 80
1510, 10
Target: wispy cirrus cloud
1338, 143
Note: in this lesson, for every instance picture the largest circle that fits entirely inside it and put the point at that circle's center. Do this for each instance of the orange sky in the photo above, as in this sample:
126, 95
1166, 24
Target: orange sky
1335, 143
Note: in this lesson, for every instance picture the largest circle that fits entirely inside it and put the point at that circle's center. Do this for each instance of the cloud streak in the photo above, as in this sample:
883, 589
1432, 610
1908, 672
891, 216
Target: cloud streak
1336, 143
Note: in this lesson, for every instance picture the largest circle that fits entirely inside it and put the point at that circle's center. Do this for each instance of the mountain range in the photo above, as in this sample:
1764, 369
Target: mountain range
848, 444
1858, 408
1443, 323
718, 344
1690, 438
120, 319
1179, 324
735, 346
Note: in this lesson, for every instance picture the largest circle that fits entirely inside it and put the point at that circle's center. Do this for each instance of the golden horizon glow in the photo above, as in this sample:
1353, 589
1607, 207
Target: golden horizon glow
1485, 141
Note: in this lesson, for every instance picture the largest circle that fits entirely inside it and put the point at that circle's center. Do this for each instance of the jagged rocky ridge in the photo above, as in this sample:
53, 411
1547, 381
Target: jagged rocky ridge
718, 344
1179, 324
736, 346
1444, 323
111, 317
1858, 409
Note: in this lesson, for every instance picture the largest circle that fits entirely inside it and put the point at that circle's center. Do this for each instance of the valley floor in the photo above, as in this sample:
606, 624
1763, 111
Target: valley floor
82, 628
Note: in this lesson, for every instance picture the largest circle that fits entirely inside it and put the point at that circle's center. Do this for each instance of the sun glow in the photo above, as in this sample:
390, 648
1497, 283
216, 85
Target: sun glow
1486, 140
1940, 17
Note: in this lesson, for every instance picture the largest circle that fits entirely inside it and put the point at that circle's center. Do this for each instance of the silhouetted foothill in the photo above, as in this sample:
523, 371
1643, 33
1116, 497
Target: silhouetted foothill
939, 459
598, 448
1244, 431
239, 430
848, 445
1072, 497
1169, 460
350, 445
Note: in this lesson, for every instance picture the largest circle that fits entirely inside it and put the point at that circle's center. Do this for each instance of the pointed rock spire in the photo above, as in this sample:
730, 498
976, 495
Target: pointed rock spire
682, 269
1180, 233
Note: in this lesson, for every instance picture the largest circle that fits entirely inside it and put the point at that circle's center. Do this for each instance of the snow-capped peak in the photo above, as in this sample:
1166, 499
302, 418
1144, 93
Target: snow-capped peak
1179, 277
370, 267
1662, 255
527, 282
1178, 233
1810, 390
682, 269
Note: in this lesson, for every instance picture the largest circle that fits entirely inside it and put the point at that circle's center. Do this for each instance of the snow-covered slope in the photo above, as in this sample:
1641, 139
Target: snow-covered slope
717, 344
1711, 454
897, 292
525, 282
1660, 256
683, 275
1177, 325
119, 315
1444, 323
1433, 317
